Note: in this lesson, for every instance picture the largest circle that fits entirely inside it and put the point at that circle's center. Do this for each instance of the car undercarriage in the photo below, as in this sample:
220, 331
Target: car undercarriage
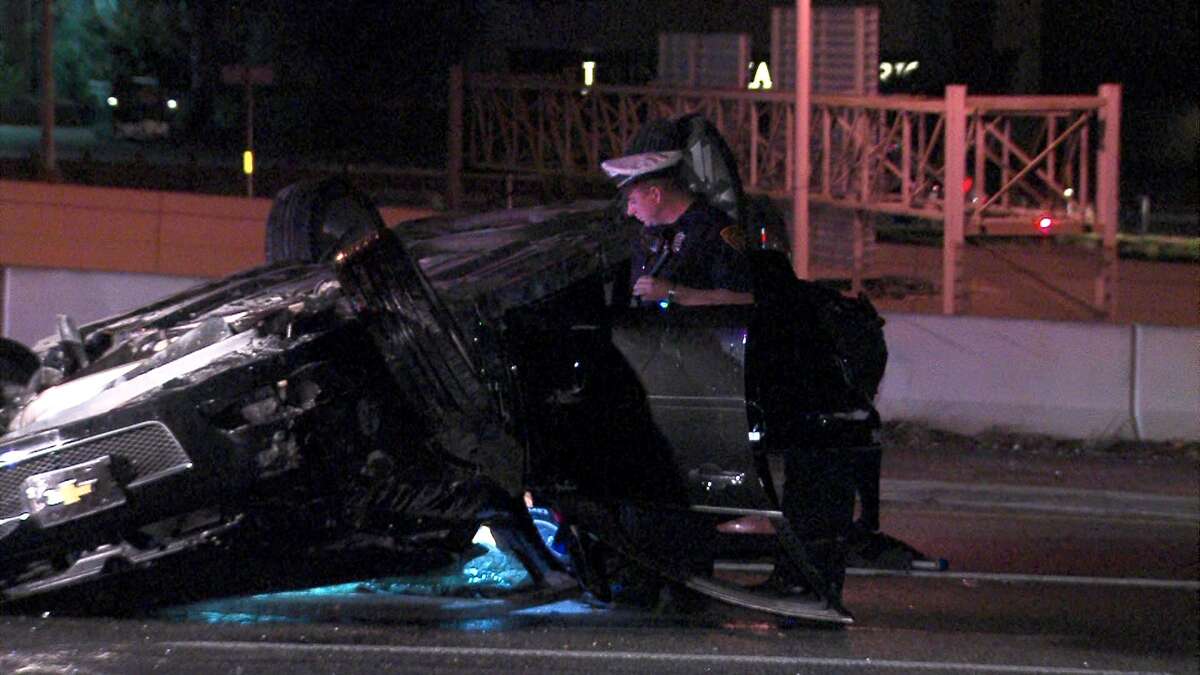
405, 385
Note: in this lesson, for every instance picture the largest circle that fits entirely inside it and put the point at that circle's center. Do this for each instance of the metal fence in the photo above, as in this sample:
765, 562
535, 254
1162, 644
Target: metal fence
980, 164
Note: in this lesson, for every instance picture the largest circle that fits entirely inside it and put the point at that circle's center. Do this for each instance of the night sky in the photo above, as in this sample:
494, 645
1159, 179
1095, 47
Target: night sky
1148, 46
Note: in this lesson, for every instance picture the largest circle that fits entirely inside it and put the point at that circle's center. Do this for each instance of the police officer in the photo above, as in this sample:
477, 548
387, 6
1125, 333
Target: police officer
696, 256
698, 260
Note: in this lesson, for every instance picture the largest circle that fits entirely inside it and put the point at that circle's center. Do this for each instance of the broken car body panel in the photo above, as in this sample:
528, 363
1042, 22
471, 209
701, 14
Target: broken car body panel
495, 346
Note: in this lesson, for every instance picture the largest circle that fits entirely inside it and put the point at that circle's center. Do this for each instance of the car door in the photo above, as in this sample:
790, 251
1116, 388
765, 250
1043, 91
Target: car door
690, 362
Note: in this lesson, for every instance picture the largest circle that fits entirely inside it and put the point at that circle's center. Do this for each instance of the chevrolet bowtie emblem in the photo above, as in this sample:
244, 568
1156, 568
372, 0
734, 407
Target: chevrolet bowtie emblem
68, 492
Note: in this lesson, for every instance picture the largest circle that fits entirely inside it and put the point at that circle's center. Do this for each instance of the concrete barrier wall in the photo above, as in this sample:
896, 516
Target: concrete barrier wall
33, 296
1166, 394
1070, 380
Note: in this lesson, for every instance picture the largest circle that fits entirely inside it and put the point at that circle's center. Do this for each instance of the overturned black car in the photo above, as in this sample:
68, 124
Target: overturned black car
409, 385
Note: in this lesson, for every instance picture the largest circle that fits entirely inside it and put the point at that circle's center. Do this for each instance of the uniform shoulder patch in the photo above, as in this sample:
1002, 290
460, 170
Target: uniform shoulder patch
732, 235
677, 242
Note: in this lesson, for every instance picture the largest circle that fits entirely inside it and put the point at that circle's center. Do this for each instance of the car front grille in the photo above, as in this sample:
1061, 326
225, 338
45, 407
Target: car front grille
149, 448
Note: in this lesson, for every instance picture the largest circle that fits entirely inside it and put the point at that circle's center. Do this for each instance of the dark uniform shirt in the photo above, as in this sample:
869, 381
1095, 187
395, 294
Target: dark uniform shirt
700, 256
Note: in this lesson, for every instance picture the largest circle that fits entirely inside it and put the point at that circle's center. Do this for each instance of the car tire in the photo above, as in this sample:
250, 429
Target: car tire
311, 220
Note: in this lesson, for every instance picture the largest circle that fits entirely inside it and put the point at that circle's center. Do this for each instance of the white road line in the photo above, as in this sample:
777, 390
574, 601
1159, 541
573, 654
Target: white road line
1093, 511
1033, 515
588, 655
1052, 499
1175, 584
910, 486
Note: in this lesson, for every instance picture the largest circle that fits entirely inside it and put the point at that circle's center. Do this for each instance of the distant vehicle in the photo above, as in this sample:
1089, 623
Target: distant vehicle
142, 110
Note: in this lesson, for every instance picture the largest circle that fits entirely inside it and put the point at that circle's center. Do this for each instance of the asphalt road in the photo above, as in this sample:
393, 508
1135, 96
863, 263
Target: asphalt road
1077, 584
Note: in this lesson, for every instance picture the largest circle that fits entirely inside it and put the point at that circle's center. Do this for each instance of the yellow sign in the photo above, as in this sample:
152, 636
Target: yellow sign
248, 162
762, 77
898, 69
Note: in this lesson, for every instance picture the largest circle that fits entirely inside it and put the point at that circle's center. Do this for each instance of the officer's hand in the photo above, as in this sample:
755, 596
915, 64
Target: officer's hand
651, 289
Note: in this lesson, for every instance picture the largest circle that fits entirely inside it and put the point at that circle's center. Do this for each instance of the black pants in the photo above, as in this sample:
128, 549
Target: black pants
868, 465
818, 503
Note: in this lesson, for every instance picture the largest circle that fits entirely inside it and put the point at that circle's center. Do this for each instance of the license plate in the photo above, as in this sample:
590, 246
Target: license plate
61, 495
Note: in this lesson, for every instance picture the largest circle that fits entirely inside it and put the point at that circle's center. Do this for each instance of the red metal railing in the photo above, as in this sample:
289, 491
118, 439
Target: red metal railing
980, 164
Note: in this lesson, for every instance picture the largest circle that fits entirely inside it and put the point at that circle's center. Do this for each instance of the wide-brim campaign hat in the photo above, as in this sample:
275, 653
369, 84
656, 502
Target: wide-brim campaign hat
630, 169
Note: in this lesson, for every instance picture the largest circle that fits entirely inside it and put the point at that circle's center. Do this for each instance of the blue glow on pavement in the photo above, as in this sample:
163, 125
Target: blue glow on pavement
494, 570
241, 618
560, 607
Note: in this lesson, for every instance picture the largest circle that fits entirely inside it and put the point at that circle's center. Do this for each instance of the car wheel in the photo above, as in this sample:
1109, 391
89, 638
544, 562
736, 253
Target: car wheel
311, 220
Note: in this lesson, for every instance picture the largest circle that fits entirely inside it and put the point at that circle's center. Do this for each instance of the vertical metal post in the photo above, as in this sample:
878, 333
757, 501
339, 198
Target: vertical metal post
906, 181
1005, 158
862, 151
3, 295
826, 151
1071, 156
800, 224
856, 272
952, 194
978, 181
861, 67
753, 145
454, 139
1108, 183
789, 148
922, 140
49, 152
1085, 161
1051, 136
249, 127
